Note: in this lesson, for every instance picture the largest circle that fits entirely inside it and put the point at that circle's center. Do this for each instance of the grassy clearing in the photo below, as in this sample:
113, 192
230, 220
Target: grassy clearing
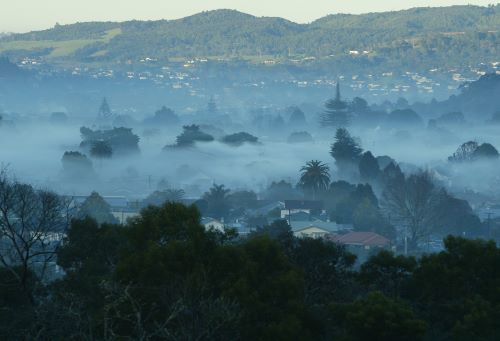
59, 48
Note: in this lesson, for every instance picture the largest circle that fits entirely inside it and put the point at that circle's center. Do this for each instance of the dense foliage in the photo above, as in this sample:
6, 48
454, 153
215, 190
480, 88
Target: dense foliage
457, 35
163, 276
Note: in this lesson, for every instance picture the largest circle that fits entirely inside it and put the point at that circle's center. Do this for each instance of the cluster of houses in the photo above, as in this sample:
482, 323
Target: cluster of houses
307, 219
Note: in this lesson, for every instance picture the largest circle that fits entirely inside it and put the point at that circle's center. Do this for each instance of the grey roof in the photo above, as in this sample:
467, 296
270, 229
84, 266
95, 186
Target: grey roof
328, 226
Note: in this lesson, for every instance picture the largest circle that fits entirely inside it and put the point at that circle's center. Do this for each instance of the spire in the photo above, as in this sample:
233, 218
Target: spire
337, 96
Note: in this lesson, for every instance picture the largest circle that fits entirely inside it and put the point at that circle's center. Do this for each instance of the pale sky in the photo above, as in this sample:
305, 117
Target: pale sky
26, 15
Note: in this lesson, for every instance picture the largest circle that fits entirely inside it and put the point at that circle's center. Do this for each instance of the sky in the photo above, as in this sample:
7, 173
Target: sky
27, 15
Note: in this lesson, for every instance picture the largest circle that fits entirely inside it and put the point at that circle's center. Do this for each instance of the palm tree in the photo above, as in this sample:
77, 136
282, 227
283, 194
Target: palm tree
218, 201
315, 177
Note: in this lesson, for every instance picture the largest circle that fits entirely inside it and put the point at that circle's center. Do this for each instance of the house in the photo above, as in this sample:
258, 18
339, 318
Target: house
311, 232
265, 206
210, 223
305, 206
362, 240
317, 228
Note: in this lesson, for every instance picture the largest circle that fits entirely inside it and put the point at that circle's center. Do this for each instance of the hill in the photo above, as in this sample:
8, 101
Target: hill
419, 37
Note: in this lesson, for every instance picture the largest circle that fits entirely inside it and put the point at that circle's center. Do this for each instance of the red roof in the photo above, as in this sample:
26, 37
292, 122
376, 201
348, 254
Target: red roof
361, 238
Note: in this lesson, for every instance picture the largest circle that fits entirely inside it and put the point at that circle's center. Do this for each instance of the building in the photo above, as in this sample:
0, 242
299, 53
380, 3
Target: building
317, 228
362, 240
293, 207
311, 232
210, 223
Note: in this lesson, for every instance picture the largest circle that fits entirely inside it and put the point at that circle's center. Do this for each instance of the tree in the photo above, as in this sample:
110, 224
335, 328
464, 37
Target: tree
192, 134
159, 198
89, 255
281, 190
239, 138
104, 113
404, 118
101, 150
377, 317
121, 140
97, 208
486, 151
457, 218
472, 151
315, 177
456, 286
388, 273
77, 165
359, 105
367, 217
218, 201
212, 106
278, 230
58, 118
328, 272
350, 200
368, 167
164, 116
32, 225
300, 137
337, 113
413, 203
465, 152
345, 150
297, 117
243, 199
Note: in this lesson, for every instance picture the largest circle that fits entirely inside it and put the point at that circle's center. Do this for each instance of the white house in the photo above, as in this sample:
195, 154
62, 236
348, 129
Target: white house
211, 223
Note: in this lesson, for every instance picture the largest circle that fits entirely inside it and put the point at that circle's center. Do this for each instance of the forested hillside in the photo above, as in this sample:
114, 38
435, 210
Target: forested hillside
411, 38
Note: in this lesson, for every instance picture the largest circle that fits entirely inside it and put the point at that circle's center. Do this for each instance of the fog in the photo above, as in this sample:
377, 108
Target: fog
33, 147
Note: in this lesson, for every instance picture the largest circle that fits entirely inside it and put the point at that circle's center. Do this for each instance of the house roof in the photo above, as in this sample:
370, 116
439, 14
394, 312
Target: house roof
328, 226
303, 205
269, 206
361, 238
311, 229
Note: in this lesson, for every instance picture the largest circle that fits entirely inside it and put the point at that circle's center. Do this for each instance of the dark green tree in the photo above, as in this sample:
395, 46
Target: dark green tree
101, 150
378, 318
97, 208
345, 150
77, 165
159, 198
218, 201
368, 167
337, 112
388, 273
315, 177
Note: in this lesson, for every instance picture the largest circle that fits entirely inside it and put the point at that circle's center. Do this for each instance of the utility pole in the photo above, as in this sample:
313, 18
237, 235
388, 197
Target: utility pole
489, 225
406, 240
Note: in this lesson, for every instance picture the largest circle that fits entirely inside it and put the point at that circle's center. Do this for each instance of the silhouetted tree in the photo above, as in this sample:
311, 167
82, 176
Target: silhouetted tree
315, 177
159, 198
218, 201
368, 167
413, 203
77, 165
337, 113
101, 150
96, 208
345, 150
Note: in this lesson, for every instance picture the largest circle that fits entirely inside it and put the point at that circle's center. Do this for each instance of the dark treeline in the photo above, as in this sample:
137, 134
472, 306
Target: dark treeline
163, 276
